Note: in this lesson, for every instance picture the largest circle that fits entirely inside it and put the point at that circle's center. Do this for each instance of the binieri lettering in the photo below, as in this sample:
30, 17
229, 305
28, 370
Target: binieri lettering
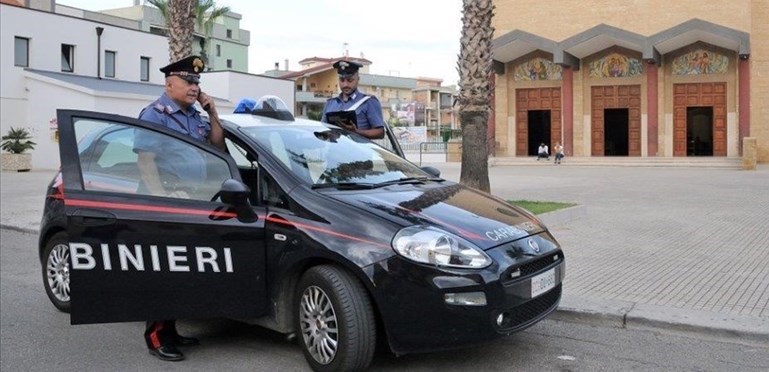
178, 258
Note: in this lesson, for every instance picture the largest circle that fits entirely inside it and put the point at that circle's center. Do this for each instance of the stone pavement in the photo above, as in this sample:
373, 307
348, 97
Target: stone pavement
667, 248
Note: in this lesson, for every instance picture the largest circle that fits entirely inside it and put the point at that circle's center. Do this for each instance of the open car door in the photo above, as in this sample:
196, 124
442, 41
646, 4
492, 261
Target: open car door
390, 141
180, 254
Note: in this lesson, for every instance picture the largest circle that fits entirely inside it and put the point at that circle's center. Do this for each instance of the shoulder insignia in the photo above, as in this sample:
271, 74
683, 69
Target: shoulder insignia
158, 107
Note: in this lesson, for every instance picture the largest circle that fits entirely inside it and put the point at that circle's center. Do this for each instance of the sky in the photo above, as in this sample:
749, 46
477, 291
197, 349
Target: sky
407, 38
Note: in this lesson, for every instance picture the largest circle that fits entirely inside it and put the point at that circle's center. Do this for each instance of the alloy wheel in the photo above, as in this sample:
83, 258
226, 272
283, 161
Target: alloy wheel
318, 324
57, 272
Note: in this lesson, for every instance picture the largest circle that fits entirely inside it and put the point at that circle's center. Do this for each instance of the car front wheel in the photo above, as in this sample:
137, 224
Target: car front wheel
56, 271
336, 320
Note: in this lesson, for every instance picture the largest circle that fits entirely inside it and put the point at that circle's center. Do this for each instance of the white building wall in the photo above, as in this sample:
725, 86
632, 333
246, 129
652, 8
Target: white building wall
45, 45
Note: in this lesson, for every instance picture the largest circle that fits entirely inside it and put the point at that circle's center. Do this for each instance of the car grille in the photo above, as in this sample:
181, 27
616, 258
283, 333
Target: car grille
539, 264
532, 267
522, 315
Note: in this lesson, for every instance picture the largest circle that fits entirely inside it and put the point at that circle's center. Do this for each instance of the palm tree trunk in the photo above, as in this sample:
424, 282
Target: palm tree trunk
181, 25
474, 68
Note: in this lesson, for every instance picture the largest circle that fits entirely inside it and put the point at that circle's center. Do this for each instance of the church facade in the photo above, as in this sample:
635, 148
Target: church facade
636, 79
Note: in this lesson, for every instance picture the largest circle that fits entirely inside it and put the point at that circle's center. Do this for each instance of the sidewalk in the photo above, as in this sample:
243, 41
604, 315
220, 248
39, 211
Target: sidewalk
684, 249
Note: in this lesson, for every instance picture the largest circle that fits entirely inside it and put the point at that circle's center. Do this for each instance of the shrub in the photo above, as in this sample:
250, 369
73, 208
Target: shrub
17, 141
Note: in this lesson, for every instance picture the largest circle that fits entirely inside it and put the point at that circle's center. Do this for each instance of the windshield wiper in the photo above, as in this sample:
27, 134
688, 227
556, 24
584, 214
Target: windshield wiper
343, 186
408, 180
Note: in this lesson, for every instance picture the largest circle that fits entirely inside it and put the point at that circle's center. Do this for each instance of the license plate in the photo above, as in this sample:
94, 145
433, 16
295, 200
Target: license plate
542, 283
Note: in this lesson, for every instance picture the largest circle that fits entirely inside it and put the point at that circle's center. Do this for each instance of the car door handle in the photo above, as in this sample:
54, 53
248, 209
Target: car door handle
90, 217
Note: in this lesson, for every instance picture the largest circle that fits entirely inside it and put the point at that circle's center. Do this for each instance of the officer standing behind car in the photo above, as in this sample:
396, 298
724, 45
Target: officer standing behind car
368, 110
175, 110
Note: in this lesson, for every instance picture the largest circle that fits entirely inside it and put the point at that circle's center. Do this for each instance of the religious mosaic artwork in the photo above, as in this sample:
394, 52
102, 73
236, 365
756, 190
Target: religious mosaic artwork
615, 65
538, 69
699, 62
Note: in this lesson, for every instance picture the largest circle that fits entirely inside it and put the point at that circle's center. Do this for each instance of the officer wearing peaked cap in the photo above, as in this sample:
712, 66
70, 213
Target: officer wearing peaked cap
368, 110
164, 165
188, 69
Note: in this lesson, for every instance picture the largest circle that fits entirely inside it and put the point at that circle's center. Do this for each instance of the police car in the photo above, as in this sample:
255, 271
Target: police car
300, 227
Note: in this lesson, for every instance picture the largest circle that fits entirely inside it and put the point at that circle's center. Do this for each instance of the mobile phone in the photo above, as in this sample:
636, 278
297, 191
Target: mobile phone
206, 107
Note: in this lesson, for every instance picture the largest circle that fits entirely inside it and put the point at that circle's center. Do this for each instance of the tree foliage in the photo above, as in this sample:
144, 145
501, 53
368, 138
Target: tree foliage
474, 67
182, 16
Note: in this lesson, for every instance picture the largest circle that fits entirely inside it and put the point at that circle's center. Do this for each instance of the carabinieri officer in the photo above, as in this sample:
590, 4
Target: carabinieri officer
367, 108
162, 163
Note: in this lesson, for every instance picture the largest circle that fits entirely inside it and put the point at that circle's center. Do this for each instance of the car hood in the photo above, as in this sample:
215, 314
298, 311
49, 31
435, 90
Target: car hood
478, 217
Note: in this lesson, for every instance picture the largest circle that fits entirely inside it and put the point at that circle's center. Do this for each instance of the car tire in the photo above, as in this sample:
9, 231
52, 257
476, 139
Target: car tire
335, 320
56, 269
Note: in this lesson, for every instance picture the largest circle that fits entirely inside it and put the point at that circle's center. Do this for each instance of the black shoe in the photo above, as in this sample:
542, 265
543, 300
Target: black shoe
186, 341
167, 352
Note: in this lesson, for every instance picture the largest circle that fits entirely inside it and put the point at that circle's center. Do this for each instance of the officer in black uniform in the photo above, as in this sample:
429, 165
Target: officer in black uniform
175, 110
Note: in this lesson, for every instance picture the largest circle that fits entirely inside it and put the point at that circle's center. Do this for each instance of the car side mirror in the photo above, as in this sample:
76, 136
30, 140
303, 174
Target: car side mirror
236, 193
433, 171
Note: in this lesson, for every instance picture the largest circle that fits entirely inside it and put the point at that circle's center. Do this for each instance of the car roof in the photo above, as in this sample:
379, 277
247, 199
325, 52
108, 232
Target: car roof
246, 120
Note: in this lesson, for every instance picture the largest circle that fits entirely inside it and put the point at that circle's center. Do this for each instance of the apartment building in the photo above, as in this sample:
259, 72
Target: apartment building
637, 79
405, 101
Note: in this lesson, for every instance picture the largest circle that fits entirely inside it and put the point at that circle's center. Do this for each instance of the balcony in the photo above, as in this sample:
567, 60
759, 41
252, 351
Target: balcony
312, 97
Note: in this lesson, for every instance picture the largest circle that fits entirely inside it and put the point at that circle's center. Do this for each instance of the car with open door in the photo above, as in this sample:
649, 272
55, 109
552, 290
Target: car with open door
301, 227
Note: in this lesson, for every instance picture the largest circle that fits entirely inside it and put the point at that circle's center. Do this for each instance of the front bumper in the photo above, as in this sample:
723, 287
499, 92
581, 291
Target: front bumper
411, 300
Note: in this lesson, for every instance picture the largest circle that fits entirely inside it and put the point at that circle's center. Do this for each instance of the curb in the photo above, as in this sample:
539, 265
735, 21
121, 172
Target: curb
20, 229
631, 315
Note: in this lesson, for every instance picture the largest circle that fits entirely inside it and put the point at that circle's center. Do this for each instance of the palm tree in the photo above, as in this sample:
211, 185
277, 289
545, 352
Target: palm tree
204, 12
474, 67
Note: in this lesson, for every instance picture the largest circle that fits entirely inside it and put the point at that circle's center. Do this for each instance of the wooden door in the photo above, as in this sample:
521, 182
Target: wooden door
536, 99
699, 95
615, 96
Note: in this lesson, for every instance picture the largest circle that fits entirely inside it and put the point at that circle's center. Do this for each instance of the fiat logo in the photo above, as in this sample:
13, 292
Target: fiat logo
533, 245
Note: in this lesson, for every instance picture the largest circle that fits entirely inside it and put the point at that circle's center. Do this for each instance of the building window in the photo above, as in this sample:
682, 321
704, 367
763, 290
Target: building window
21, 55
229, 33
229, 63
67, 58
145, 69
218, 50
109, 63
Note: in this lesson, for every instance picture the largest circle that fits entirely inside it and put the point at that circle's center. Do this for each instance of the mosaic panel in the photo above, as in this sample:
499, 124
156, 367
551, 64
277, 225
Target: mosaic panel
538, 69
700, 61
615, 65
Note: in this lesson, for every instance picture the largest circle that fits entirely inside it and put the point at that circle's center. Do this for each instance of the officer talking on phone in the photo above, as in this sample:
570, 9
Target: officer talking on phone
368, 110
175, 110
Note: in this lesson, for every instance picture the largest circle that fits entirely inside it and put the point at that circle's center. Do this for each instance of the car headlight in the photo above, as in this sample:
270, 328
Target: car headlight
434, 246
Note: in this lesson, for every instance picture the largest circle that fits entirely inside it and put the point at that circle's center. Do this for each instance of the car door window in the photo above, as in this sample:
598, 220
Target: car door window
109, 161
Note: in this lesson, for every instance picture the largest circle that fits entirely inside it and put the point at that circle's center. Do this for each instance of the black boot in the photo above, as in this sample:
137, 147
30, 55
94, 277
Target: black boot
168, 353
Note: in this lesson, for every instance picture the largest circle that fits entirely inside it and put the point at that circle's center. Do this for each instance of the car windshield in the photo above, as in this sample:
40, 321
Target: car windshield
330, 156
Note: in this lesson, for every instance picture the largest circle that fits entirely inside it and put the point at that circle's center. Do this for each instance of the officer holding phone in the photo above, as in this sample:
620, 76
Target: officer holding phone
367, 109
175, 110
